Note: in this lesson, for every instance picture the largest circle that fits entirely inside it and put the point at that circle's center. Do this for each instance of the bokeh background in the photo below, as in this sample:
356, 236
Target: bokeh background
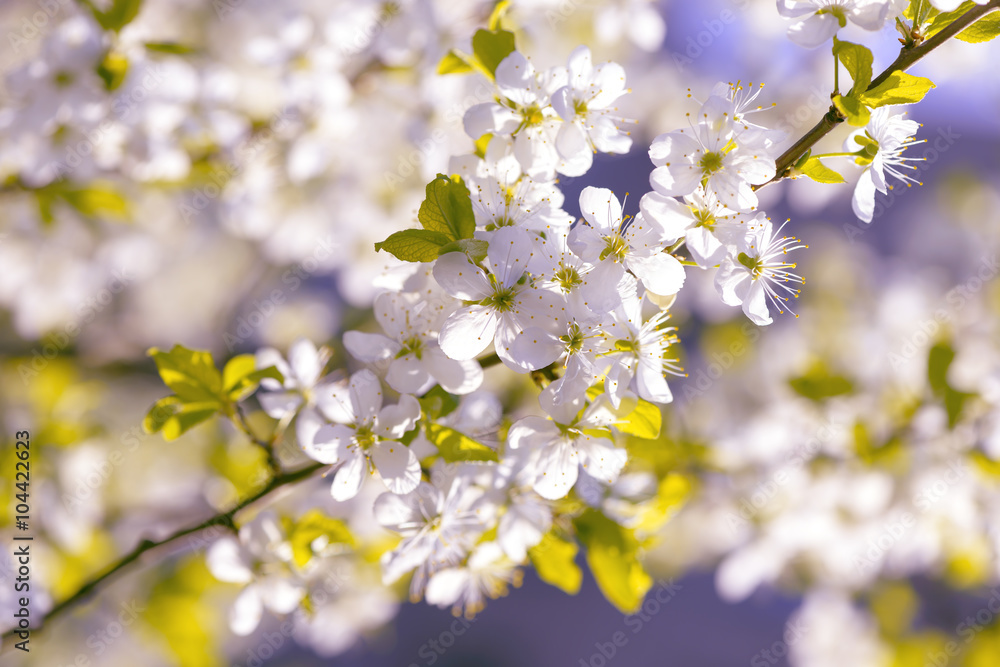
331, 119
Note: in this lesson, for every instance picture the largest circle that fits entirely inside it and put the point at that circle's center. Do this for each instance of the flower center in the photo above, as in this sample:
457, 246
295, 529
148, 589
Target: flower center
567, 278
836, 11
704, 218
580, 107
711, 162
502, 299
614, 246
412, 345
573, 340
364, 438
752, 263
501, 221
532, 115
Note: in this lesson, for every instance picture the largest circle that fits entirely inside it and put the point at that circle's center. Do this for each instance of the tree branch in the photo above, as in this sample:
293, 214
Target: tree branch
224, 519
907, 57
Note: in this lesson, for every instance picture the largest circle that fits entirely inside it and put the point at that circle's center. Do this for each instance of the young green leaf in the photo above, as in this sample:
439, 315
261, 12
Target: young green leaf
854, 110
312, 526
454, 63
447, 208
191, 374
936, 22
982, 30
554, 560
414, 245
857, 60
613, 558
174, 417
642, 422
438, 403
899, 88
454, 446
240, 377
475, 249
112, 70
491, 47
819, 172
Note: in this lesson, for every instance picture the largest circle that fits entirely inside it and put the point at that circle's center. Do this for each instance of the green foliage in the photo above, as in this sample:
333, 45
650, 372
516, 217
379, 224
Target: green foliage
613, 558
857, 60
118, 15
200, 390
99, 200
898, 88
819, 384
935, 21
312, 525
982, 30
454, 446
854, 110
112, 70
491, 47
172, 48
448, 224
644, 421
819, 172
438, 403
554, 560
180, 611
938, 362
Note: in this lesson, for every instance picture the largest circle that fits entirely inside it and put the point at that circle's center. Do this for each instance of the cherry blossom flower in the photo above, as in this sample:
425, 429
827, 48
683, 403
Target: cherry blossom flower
819, 20
883, 141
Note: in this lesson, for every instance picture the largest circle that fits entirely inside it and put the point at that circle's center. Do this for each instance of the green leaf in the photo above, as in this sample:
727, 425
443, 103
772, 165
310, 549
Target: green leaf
312, 525
119, 15
112, 70
937, 22
858, 61
455, 446
496, 16
555, 561
175, 417
938, 362
438, 403
982, 30
854, 110
447, 208
819, 172
613, 558
642, 422
454, 63
414, 245
819, 384
474, 249
191, 374
240, 377
899, 88
99, 200
168, 47
491, 47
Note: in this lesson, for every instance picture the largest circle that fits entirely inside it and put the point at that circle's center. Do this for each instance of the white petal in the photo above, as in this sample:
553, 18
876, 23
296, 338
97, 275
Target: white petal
245, 615
661, 273
467, 332
814, 31
672, 215
508, 255
349, 476
447, 586
460, 278
329, 443
304, 360
537, 347
489, 117
369, 347
395, 420
557, 470
863, 201
279, 594
600, 207
279, 403
226, 561
454, 376
409, 375
755, 304
398, 466
600, 458
366, 394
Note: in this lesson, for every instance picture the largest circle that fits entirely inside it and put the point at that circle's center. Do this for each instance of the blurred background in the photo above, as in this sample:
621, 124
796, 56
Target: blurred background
215, 174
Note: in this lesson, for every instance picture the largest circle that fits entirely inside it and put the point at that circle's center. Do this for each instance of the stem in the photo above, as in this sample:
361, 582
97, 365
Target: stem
224, 519
240, 420
489, 361
908, 56
836, 75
